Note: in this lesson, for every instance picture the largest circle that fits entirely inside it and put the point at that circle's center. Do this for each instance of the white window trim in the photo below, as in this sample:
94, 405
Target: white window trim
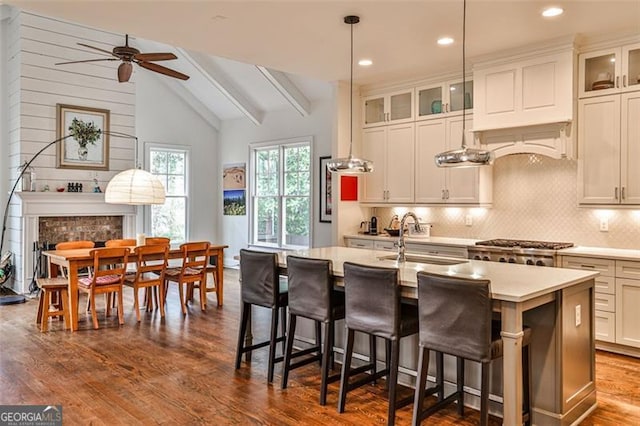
148, 146
251, 187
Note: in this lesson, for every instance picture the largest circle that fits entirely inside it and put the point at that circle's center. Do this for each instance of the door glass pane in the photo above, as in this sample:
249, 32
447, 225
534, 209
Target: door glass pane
430, 101
296, 221
168, 220
374, 111
599, 72
266, 227
400, 106
633, 59
456, 98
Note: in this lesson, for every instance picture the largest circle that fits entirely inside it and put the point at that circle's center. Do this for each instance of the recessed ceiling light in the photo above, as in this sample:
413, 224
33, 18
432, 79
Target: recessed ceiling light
443, 41
552, 11
365, 62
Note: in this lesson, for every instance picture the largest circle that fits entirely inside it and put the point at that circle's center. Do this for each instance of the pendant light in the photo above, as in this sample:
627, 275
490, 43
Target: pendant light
350, 164
464, 157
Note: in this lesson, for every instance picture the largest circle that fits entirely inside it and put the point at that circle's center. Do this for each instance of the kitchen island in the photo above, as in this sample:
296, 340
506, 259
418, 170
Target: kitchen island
558, 305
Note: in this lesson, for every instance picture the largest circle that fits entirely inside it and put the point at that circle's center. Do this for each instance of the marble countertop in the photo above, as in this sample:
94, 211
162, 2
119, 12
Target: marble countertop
445, 241
608, 252
611, 253
509, 282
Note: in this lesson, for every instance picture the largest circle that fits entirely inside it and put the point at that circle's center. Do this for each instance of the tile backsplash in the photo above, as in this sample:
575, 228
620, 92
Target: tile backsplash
534, 197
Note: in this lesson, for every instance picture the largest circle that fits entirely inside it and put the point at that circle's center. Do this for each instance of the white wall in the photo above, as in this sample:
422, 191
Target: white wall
164, 118
235, 137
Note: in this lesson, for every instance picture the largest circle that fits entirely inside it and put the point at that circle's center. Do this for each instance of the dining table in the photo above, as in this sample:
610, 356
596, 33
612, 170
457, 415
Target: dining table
75, 259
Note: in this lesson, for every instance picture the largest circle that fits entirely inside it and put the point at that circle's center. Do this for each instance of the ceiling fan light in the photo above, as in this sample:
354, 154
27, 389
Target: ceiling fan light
124, 72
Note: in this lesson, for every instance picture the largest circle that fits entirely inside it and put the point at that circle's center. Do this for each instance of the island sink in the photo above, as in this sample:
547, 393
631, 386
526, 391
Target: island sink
425, 259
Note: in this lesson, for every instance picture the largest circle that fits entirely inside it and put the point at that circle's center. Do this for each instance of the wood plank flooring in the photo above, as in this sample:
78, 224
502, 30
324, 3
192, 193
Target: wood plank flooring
180, 371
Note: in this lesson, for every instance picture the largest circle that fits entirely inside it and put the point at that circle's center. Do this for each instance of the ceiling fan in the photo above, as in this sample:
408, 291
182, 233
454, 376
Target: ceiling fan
128, 54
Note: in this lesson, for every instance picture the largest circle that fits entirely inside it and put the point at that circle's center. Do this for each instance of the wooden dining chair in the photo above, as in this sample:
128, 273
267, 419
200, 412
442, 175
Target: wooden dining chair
193, 270
70, 245
125, 242
151, 264
151, 241
105, 281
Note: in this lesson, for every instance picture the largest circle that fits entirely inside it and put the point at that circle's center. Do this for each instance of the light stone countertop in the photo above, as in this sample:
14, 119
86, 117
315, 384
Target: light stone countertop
509, 282
445, 241
611, 253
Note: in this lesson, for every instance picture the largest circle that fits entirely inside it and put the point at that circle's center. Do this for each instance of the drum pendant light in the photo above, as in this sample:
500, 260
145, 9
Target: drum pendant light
464, 157
350, 164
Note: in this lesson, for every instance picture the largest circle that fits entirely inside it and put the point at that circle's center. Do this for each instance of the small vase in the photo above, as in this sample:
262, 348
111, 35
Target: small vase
82, 152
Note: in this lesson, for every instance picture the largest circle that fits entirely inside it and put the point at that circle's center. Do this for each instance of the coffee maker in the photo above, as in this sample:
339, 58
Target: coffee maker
373, 226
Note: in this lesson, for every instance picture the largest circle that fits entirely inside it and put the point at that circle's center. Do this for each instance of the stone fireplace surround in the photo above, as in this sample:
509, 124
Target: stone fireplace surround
35, 205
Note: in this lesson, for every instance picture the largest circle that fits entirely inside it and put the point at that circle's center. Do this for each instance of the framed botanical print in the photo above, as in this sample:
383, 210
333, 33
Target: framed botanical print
89, 148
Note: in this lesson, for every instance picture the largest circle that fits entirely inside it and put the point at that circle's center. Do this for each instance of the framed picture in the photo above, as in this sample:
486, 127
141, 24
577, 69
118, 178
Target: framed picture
325, 190
87, 153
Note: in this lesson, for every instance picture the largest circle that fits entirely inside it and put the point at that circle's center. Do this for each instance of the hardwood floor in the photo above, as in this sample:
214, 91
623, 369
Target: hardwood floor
180, 371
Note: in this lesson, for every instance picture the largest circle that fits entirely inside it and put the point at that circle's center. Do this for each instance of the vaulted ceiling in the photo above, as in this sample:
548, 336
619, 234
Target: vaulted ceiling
302, 45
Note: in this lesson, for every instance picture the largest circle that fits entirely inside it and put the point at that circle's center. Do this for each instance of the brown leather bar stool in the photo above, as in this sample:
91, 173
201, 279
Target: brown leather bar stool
53, 291
373, 306
260, 285
311, 295
455, 319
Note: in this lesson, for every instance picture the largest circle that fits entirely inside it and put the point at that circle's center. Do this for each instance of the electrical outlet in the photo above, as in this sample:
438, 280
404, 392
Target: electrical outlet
604, 225
578, 315
468, 220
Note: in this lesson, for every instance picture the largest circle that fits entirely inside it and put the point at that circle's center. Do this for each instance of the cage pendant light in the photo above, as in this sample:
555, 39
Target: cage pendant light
464, 157
350, 164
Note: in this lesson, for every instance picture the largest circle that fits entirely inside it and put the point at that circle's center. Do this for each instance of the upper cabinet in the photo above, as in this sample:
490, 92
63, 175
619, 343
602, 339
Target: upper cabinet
443, 99
388, 108
524, 90
609, 71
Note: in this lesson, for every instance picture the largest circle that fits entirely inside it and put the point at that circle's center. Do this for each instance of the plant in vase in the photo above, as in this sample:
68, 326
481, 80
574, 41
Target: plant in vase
84, 133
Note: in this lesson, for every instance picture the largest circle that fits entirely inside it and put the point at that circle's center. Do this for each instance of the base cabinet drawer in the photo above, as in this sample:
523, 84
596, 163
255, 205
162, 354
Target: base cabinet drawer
385, 245
605, 302
606, 267
357, 243
605, 326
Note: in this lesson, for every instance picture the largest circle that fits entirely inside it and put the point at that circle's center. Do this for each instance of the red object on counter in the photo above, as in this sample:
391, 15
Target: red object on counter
349, 188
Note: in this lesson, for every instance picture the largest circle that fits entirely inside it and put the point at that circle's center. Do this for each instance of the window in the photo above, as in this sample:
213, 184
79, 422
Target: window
170, 219
281, 201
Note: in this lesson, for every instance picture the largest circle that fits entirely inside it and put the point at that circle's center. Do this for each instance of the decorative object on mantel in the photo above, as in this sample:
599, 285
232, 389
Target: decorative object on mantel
464, 157
127, 55
96, 187
350, 164
88, 148
144, 188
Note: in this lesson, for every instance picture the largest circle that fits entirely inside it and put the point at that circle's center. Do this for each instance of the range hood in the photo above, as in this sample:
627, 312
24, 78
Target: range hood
555, 140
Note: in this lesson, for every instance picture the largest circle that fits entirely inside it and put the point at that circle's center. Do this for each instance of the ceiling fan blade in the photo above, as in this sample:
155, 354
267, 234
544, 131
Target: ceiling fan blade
163, 70
124, 72
155, 56
87, 60
98, 49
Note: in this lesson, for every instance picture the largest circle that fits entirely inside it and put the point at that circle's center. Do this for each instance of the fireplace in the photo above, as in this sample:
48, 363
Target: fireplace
73, 216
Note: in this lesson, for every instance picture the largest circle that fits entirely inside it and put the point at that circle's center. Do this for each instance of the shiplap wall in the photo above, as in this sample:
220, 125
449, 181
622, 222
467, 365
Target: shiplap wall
35, 85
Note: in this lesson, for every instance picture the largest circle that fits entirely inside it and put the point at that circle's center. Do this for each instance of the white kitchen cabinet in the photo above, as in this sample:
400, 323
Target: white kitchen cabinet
627, 312
436, 185
609, 71
359, 243
388, 108
524, 91
609, 149
441, 100
391, 148
605, 293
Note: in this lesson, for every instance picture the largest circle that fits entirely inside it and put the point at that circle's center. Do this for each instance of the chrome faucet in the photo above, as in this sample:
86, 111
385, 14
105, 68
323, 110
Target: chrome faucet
401, 247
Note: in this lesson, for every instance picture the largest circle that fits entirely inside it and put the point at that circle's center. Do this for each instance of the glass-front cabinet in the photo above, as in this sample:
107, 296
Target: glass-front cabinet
610, 71
388, 108
438, 100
